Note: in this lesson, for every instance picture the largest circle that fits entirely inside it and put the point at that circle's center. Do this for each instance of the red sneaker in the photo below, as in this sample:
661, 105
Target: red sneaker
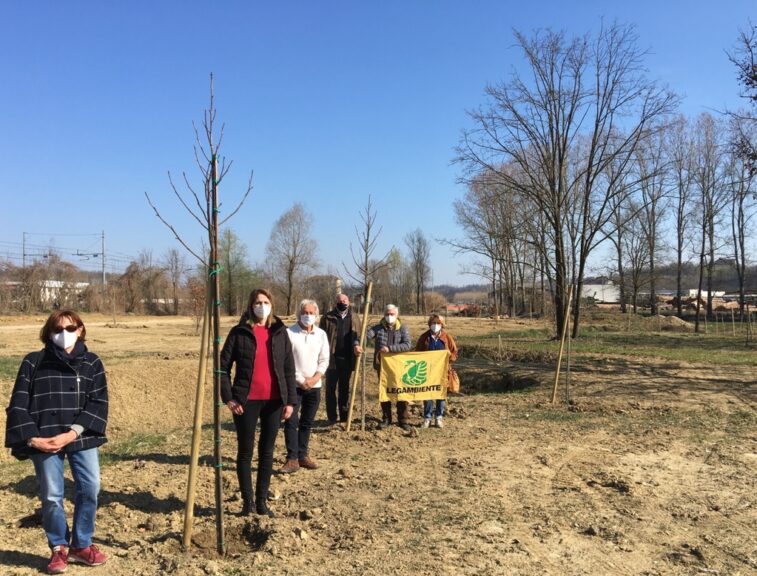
90, 556
58, 561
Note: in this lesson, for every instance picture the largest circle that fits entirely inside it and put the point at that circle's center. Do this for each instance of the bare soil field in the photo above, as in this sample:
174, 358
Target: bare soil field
649, 467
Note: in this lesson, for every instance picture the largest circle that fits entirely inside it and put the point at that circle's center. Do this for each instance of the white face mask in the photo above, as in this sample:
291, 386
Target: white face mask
436, 328
261, 311
65, 339
307, 319
390, 318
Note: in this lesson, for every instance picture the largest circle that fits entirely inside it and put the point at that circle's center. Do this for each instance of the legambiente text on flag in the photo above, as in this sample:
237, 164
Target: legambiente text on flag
414, 376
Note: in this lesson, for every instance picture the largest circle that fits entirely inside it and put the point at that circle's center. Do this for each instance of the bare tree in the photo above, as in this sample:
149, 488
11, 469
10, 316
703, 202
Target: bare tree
652, 166
709, 179
293, 251
366, 267
636, 249
581, 91
175, 265
681, 154
419, 256
744, 57
742, 203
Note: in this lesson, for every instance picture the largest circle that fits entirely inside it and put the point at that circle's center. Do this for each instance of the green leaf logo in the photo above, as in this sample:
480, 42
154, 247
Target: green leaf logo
415, 373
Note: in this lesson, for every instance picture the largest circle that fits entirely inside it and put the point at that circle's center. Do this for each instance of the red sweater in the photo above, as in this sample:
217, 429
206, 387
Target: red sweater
263, 385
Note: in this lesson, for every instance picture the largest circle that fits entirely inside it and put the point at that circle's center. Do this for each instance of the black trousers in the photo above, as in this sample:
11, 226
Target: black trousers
269, 414
297, 428
338, 389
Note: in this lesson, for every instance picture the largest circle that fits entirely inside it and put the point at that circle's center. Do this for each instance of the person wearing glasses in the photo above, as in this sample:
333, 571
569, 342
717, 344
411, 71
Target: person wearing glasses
59, 409
263, 389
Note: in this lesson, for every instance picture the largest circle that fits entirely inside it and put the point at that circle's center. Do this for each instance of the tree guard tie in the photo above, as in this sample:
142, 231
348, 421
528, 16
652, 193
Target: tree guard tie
219, 372
216, 269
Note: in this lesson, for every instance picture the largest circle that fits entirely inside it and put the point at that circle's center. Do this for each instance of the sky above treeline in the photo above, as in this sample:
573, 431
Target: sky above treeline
327, 102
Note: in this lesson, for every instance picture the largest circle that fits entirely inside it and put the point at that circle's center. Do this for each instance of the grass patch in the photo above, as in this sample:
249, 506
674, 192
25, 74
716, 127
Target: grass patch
715, 350
134, 446
9, 366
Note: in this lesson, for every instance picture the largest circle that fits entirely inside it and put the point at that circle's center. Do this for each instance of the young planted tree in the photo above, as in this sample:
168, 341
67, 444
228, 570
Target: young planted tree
366, 266
293, 251
205, 208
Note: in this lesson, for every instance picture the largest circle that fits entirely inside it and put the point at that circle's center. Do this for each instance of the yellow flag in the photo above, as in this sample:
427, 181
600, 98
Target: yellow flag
414, 376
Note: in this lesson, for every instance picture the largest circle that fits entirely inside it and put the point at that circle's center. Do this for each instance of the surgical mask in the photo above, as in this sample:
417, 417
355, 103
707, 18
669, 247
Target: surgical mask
436, 328
390, 318
262, 311
341, 306
65, 339
307, 319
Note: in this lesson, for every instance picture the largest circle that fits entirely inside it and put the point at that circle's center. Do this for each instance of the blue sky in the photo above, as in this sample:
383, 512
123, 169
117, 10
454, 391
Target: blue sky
326, 101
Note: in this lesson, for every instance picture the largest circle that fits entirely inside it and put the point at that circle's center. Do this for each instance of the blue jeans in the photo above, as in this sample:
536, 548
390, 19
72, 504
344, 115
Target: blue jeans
428, 409
85, 468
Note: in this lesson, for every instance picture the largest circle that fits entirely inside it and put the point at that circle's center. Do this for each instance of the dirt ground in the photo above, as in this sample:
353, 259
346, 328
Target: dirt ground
649, 470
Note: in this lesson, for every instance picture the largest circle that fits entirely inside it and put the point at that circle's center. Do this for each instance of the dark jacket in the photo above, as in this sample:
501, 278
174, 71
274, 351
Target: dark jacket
329, 323
64, 393
396, 338
239, 349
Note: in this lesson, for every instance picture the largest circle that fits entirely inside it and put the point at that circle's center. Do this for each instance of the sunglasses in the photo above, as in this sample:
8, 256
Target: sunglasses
69, 328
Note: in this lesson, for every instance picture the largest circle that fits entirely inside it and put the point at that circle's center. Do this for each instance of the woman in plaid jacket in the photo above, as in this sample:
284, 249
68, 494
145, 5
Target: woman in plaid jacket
59, 409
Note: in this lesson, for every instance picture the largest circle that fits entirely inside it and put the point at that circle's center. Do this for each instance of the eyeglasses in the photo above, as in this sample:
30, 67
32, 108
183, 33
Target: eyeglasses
69, 328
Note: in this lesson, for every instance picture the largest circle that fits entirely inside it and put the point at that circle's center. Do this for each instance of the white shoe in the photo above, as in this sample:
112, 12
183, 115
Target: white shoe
439, 422
426, 423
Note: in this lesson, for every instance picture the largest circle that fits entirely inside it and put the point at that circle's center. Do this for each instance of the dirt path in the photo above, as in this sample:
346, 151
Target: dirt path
654, 474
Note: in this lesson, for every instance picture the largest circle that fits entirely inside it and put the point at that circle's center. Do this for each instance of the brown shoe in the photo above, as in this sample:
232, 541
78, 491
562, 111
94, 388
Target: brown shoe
289, 467
308, 462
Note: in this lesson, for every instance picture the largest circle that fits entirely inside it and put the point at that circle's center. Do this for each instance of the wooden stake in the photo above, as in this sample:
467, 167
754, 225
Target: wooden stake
197, 429
733, 323
356, 375
562, 344
567, 372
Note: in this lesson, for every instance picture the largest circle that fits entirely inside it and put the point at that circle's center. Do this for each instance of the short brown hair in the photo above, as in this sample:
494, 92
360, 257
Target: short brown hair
46, 333
253, 296
436, 317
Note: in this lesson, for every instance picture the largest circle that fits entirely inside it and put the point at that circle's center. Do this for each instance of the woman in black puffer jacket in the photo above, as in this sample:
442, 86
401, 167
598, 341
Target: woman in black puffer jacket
263, 388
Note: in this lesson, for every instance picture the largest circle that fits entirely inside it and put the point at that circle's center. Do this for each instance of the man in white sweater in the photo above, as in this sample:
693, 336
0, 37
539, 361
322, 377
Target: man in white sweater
310, 348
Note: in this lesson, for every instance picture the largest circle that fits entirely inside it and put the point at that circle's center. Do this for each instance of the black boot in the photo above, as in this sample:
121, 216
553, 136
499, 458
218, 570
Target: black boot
261, 507
246, 507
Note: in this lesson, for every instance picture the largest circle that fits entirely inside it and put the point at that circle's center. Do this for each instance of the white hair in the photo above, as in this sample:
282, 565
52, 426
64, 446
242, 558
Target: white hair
392, 306
307, 302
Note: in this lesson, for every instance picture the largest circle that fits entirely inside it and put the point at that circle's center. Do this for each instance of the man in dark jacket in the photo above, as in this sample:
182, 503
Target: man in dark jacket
343, 331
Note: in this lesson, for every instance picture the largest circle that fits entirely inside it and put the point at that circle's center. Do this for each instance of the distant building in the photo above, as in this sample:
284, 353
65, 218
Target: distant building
602, 293
705, 294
